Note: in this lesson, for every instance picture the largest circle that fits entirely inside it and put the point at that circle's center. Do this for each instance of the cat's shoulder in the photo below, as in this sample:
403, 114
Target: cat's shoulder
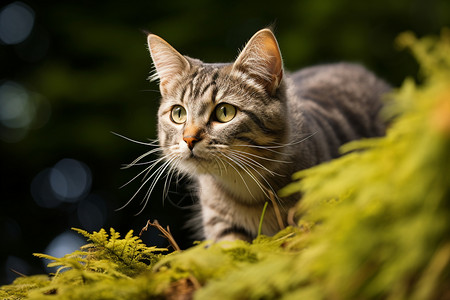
331, 70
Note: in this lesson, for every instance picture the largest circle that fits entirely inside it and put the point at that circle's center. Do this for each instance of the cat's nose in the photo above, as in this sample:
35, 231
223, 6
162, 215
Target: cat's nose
191, 140
192, 134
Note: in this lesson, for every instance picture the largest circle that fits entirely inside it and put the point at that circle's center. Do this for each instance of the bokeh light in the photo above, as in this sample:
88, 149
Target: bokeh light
20, 110
41, 190
16, 23
63, 244
16, 109
68, 181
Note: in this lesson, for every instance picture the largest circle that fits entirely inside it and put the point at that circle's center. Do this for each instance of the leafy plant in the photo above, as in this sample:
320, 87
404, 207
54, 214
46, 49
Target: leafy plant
373, 224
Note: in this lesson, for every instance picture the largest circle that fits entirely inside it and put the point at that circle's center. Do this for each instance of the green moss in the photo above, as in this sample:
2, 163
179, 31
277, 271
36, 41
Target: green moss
374, 224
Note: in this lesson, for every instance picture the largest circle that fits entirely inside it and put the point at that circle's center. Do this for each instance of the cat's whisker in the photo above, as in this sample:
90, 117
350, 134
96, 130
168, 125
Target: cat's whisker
127, 166
168, 176
145, 179
218, 160
153, 91
146, 170
277, 145
253, 163
230, 161
179, 174
156, 176
135, 177
262, 157
137, 192
244, 155
308, 136
266, 148
259, 146
170, 173
245, 165
152, 142
226, 147
163, 158
136, 161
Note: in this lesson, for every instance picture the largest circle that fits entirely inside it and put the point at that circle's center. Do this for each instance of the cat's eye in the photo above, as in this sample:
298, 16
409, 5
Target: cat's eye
178, 114
225, 112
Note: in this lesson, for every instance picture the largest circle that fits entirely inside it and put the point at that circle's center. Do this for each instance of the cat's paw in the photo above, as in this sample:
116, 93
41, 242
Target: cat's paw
234, 236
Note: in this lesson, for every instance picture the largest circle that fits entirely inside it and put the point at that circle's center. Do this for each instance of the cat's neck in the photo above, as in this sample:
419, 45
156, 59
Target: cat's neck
246, 188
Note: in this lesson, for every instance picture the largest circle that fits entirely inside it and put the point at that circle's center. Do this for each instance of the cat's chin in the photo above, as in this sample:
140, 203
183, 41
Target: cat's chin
195, 165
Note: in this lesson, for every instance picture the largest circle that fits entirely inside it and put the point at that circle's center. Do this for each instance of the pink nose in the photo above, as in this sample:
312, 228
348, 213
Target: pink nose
191, 141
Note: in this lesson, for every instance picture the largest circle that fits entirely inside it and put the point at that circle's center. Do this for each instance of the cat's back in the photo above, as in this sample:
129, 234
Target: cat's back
339, 102
339, 84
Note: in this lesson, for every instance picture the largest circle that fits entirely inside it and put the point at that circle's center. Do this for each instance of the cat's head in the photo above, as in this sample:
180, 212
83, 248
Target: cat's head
215, 117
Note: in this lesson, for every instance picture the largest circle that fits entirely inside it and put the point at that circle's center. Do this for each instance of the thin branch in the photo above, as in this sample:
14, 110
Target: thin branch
166, 233
18, 273
277, 210
291, 217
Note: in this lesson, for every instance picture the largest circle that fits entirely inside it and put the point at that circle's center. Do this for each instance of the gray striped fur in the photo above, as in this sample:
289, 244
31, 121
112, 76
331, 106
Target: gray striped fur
284, 123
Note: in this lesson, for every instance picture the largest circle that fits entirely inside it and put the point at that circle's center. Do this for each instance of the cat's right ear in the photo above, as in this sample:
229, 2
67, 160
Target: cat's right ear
261, 59
168, 62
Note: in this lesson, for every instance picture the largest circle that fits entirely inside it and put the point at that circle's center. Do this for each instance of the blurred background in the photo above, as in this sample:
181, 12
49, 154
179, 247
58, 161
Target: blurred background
72, 72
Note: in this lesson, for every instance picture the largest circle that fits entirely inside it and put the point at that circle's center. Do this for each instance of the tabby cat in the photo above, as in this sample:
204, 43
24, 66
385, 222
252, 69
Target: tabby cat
241, 129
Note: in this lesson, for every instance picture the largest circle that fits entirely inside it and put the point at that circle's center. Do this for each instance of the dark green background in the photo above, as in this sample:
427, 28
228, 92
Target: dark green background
87, 60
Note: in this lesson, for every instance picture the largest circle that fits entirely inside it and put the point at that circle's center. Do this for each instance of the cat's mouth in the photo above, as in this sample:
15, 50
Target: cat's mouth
197, 158
197, 161
192, 156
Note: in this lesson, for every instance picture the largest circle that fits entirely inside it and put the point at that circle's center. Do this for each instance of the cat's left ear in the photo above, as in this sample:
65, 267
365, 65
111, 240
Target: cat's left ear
261, 59
169, 63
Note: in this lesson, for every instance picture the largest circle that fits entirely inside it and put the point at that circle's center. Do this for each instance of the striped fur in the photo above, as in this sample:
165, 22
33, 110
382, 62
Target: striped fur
284, 123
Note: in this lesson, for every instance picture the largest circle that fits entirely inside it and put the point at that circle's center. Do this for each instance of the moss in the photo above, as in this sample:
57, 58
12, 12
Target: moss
22, 286
374, 224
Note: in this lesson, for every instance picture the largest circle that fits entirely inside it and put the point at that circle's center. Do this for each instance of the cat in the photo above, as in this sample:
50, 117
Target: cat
240, 130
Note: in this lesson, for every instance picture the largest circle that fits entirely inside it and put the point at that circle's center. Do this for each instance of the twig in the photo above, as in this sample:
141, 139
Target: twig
291, 217
195, 282
18, 273
166, 233
277, 211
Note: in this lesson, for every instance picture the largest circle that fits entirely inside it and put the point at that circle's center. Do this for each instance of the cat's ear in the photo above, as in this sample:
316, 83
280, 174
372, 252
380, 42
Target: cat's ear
167, 61
261, 59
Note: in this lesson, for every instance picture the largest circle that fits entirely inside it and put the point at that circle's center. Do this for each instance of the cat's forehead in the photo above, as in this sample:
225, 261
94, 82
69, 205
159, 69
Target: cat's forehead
203, 82
205, 85
204, 71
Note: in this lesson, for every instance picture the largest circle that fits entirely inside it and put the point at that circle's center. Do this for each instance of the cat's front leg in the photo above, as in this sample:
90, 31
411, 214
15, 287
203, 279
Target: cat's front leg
224, 218
218, 226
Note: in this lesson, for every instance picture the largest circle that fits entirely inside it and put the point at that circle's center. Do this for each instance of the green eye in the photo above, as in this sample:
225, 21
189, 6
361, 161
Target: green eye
225, 112
178, 114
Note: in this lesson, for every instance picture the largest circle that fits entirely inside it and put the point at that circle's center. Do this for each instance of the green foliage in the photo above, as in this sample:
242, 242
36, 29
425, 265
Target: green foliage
128, 255
374, 224
107, 260
384, 212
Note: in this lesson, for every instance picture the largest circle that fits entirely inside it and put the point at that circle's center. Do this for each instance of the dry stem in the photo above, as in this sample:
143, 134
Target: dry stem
166, 233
